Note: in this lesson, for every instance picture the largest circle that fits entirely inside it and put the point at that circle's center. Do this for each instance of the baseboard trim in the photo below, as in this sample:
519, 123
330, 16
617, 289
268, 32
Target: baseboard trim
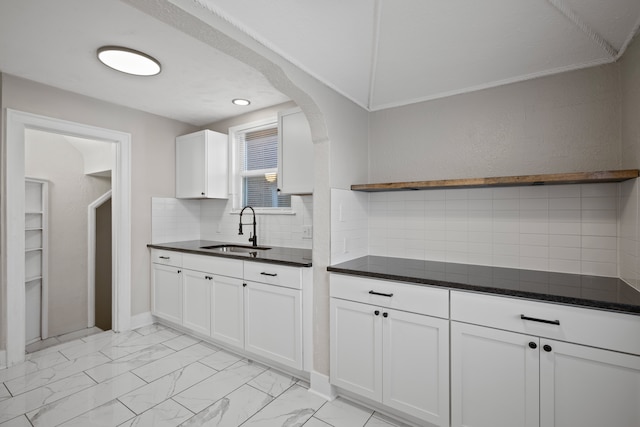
3, 359
320, 385
142, 319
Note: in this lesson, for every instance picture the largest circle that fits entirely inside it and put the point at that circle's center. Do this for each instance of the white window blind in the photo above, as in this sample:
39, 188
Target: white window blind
258, 168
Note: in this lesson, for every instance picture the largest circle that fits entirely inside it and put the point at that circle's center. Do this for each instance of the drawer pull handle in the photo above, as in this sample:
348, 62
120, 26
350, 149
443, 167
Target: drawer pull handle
269, 274
533, 319
381, 294
164, 257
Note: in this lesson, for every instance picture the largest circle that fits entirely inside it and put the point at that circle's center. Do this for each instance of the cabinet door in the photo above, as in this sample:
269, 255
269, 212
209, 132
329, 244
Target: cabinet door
356, 348
227, 310
415, 365
167, 292
494, 378
295, 151
588, 387
196, 314
273, 323
190, 166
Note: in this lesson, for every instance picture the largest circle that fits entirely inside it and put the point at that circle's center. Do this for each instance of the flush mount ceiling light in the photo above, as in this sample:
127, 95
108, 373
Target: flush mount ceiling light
128, 61
240, 101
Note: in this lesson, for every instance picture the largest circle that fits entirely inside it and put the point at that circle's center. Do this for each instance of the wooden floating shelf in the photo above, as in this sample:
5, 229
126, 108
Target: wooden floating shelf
505, 181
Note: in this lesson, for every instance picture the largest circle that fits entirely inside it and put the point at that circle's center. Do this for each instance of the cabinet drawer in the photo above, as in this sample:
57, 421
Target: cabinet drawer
211, 264
414, 298
289, 277
597, 328
160, 256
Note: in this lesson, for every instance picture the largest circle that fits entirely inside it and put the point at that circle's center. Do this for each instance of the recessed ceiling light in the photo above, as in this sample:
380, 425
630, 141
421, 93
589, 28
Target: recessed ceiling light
240, 101
128, 61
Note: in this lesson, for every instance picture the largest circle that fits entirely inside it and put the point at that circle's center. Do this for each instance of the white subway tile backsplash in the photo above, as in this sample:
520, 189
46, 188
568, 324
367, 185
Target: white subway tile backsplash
564, 191
534, 204
565, 228
600, 190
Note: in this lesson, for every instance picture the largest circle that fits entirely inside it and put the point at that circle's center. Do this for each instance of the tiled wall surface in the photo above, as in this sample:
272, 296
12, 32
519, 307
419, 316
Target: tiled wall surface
218, 223
564, 228
629, 239
349, 225
173, 220
178, 219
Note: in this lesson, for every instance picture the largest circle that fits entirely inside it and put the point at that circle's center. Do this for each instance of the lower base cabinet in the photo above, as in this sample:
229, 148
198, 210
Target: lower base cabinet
508, 379
166, 301
394, 357
262, 316
272, 323
227, 310
196, 301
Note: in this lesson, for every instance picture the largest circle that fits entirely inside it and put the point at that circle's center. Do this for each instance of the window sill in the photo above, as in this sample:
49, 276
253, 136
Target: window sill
263, 211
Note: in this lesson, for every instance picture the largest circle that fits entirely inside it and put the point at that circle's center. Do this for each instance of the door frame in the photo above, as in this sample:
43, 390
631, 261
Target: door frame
17, 123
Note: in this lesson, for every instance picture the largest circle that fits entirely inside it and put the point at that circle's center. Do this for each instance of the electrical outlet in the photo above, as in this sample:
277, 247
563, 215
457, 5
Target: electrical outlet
307, 232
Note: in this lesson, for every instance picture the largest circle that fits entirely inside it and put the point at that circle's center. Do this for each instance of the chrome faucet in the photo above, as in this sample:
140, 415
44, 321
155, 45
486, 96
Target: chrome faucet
253, 239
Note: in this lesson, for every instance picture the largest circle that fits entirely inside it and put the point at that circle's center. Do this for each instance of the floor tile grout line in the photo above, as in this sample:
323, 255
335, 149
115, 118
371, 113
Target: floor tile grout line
245, 383
47, 383
175, 394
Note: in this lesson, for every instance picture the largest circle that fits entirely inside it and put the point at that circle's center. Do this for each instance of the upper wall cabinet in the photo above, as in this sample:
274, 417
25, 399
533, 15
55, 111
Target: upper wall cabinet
202, 166
295, 151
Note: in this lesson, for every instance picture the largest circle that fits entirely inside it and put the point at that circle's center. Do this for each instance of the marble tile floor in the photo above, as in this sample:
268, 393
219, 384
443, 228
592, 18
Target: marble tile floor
51, 341
156, 376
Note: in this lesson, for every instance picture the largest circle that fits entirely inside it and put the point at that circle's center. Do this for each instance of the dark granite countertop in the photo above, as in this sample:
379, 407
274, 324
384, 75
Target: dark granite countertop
276, 255
604, 293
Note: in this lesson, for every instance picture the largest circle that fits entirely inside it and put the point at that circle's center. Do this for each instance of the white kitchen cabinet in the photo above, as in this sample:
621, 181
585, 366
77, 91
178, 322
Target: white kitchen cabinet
542, 377
273, 323
356, 348
227, 310
588, 387
202, 165
196, 301
295, 152
167, 292
415, 365
494, 378
254, 307
395, 357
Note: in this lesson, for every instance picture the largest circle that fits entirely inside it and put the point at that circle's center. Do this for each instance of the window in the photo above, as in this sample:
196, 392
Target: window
255, 167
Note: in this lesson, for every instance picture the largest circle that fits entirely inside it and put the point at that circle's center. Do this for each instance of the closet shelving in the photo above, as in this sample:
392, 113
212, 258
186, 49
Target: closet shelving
36, 245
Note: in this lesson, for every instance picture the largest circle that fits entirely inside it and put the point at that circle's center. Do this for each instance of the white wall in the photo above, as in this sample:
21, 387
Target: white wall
630, 194
152, 162
568, 122
51, 157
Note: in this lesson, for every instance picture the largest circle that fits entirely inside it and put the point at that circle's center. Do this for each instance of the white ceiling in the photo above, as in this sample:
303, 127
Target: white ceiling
379, 53
55, 42
385, 53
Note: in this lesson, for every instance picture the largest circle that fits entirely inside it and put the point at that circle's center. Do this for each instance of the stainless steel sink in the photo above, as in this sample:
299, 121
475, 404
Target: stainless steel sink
238, 249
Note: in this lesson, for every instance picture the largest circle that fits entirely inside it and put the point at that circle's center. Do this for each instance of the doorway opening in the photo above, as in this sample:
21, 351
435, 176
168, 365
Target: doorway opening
76, 173
16, 126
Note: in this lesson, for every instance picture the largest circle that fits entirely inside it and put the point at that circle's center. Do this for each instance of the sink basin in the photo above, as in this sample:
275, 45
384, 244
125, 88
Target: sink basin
239, 249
